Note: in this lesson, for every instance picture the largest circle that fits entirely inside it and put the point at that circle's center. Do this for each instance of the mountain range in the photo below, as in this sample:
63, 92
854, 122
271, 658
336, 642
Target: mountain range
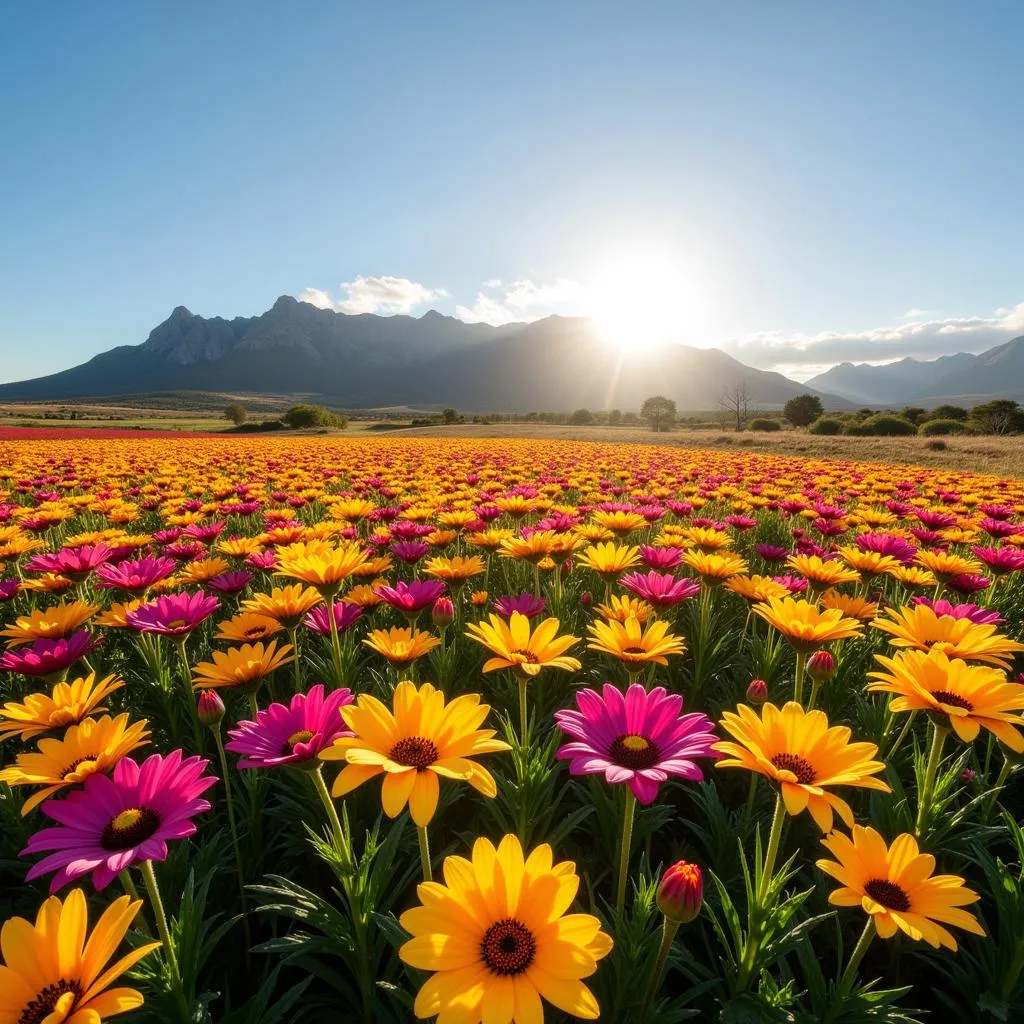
960, 379
557, 364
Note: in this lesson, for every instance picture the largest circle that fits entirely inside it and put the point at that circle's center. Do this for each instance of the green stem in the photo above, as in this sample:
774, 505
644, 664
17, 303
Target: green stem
421, 834
798, 687
129, 887
813, 699
924, 798
627, 837
772, 853
891, 753
344, 847
846, 981
1004, 774
668, 934
296, 670
522, 709
229, 799
149, 877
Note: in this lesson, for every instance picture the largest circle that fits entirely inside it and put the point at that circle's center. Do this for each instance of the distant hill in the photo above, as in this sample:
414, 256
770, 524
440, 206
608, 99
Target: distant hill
363, 361
960, 378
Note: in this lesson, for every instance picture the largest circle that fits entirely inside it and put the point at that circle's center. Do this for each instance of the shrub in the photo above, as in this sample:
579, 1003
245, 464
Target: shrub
313, 416
582, 417
763, 423
827, 425
948, 412
937, 445
941, 428
236, 413
882, 425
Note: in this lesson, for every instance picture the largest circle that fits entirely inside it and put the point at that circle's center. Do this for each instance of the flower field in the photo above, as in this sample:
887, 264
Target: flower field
375, 731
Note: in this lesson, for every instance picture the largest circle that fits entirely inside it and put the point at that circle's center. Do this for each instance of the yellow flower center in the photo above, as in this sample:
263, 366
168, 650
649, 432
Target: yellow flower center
126, 820
302, 736
634, 742
129, 828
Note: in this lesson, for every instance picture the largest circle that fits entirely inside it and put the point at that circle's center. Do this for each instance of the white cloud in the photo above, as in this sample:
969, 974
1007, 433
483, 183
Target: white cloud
914, 313
383, 295
517, 301
923, 339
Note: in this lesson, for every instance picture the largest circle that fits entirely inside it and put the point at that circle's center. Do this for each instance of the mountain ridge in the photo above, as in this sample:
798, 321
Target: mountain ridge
364, 360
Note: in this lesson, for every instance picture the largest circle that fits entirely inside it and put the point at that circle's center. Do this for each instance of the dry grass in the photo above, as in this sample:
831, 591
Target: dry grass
1000, 456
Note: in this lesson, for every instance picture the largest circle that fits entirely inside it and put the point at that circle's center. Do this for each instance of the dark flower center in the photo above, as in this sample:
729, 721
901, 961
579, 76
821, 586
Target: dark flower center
954, 700
42, 1006
633, 650
508, 947
889, 894
131, 827
799, 766
254, 631
529, 657
71, 768
633, 751
414, 752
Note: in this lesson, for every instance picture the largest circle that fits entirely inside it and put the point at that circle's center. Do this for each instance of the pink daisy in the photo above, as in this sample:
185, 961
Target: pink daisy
173, 614
662, 590
114, 822
524, 603
411, 598
134, 576
292, 734
345, 616
47, 657
639, 739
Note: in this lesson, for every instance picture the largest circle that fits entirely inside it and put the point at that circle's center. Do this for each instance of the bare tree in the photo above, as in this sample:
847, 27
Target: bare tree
736, 404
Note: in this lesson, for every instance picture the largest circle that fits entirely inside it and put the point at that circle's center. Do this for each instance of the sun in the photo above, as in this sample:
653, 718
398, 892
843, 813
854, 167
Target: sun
642, 301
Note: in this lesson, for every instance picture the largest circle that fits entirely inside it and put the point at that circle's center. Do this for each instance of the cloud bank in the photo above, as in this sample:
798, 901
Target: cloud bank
806, 354
384, 295
519, 300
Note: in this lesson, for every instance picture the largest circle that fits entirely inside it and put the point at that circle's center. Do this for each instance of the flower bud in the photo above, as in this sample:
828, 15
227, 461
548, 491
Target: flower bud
443, 612
585, 599
757, 691
968, 775
681, 892
821, 666
478, 598
210, 709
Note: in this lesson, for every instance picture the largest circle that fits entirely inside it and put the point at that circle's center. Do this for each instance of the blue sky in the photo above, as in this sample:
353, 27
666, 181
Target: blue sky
799, 182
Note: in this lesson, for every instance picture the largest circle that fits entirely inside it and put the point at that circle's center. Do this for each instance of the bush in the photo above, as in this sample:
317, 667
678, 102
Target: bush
942, 428
802, 410
948, 412
882, 425
827, 425
763, 423
937, 446
236, 413
313, 416
582, 417
256, 427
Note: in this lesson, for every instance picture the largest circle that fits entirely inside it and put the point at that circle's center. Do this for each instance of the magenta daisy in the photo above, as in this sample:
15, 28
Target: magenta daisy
1000, 561
292, 734
663, 590
888, 544
114, 822
9, 589
411, 598
639, 739
230, 582
74, 563
524, 603
978, 615
345, 616
135, 577
49, 657
968, 583
410, 551
661, 558
173, 614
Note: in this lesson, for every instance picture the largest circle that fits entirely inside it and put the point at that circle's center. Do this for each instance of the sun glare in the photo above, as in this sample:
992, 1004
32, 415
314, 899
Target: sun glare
642, 301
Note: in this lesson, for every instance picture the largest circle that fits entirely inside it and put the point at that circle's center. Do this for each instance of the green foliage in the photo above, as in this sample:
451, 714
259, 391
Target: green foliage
1001, 416
803, 410
826, 425
581, 417
948, 412
659, 413
235, 412
299, 416
881, 425
943, 428
764, 423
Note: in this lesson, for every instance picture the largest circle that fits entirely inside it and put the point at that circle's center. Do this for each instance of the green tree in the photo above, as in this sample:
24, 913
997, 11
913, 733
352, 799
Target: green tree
581, 417
450, 415
659, 412
235, 413
1001, 416
948, 412
614, 417
913, 413
803, 410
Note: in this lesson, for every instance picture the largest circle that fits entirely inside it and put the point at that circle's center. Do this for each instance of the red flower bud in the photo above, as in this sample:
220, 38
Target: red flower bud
681, 892
968, 775
443, 612
585, 599
757, 691
210, 709
821, 666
